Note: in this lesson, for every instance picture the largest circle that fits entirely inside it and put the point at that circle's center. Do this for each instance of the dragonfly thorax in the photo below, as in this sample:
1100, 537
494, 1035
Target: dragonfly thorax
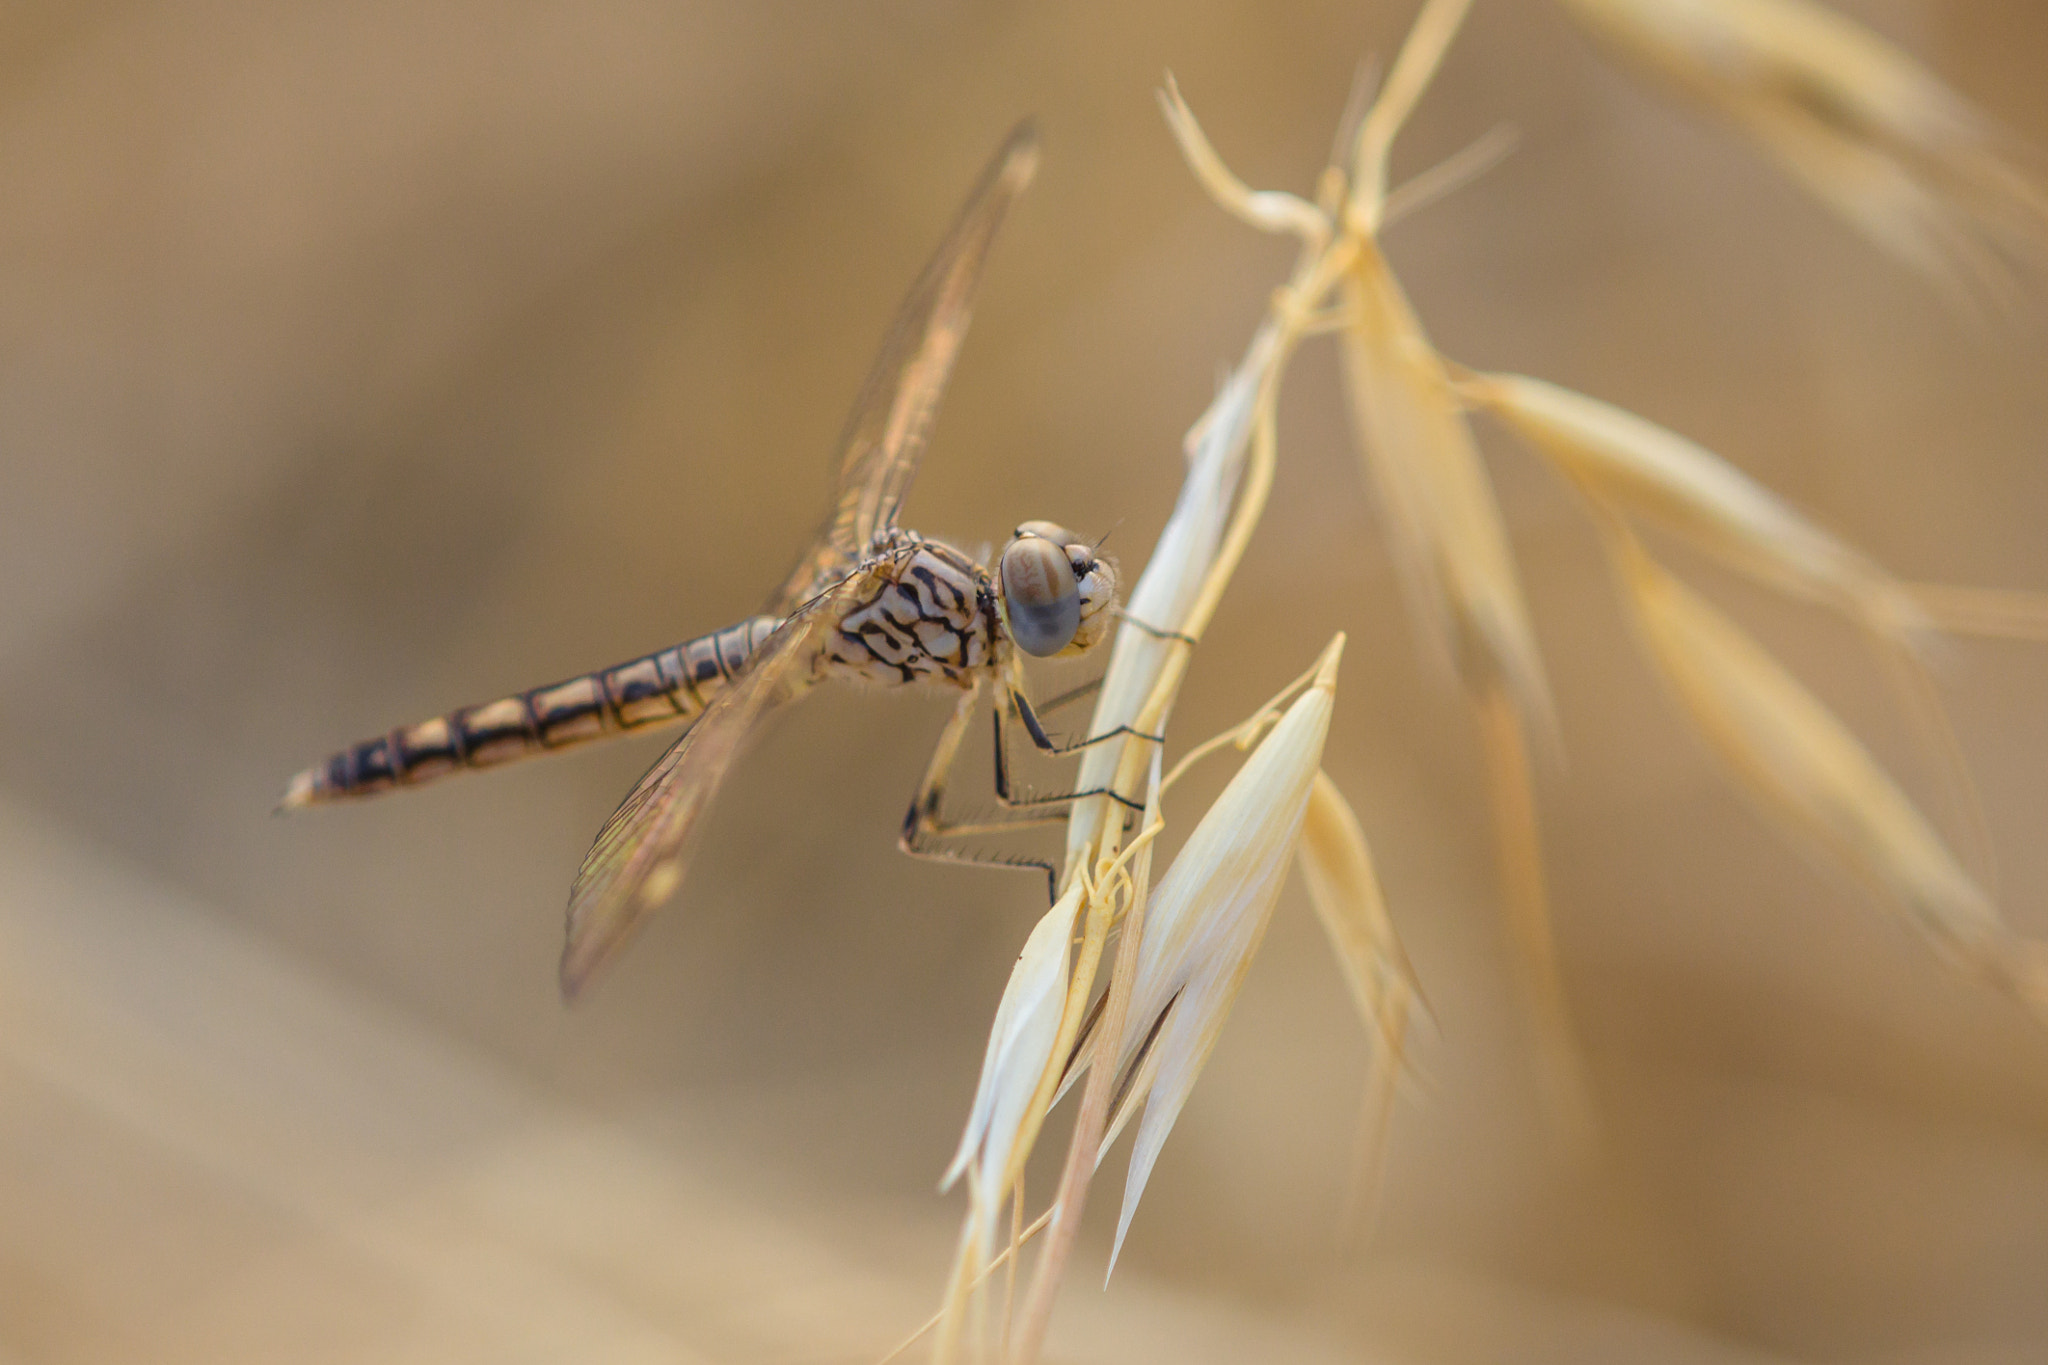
926, 612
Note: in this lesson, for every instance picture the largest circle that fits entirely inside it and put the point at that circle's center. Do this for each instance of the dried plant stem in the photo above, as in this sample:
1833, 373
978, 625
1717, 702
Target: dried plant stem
1335, 232
1297, 311
1410, 409
1361, 1198
1936, 735
1094, 826
1246, 733
1423, 52
1093, 1114
1292, 312
1526, 900
1994, 613
1010, 1259
1006, 1258
1336, 864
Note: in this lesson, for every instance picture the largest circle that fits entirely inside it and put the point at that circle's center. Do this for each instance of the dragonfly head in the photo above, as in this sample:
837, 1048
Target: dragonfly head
1055, 590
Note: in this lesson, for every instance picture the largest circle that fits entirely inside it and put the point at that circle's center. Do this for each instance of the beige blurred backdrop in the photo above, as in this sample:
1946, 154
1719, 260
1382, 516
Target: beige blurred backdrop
360, 360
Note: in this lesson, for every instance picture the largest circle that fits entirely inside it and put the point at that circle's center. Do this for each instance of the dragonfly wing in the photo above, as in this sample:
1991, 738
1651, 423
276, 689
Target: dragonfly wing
638, 859
893, 417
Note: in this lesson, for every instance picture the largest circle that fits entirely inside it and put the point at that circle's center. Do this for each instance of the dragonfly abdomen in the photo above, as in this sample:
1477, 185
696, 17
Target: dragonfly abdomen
673, 685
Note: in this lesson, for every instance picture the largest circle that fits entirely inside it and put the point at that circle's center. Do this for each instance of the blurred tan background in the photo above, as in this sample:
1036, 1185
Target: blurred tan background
361, 360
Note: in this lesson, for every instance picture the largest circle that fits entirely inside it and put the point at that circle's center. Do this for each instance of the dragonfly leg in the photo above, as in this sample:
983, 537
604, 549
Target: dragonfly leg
1154, 631
1006, 792
924, 847
924, 827
1047, 745
1068, 698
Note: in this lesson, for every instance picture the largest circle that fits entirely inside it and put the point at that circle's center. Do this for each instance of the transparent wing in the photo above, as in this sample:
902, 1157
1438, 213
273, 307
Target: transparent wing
638, 859
893, 417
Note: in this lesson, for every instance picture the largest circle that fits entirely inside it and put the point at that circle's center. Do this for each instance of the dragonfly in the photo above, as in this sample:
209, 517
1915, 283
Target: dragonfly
867, 601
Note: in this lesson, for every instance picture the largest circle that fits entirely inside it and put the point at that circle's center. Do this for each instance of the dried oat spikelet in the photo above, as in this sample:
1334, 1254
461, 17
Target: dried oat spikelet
1807, 770
1021, 1047
1868, 130
1208, 915
1032, 1032
1444, 526
1344, 888
1336, 863
1182, 949
1448, 540
1230, 465
1167, 589
1638, 470
1648, 472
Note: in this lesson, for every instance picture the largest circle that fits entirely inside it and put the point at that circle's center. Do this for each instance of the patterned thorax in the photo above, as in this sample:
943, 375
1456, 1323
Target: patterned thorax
923, 612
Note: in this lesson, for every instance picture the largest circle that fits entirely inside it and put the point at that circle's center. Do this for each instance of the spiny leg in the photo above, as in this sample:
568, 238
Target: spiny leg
1151, 630
1069, 697
1047, 745
1012, 799
923, 826
1015, 701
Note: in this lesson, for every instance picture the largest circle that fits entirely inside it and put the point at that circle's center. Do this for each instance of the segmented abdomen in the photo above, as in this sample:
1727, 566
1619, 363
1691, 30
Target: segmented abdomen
671, 686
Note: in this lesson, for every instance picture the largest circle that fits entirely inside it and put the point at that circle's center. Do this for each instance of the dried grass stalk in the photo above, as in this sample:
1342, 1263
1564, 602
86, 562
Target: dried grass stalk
1911, 173
1033, 1029
1813, 777
1636, 469
1166, 591
1658, 476
1866, 128
1232, 449
1994, 613
1209, 913
1445, 527
1336, 863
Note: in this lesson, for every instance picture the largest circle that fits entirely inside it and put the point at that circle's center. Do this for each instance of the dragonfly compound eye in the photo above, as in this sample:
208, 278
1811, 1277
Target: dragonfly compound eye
1041, 599
1050, 530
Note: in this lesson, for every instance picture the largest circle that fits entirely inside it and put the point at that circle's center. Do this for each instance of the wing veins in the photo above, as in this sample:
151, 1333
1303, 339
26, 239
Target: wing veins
892, 419
638, 858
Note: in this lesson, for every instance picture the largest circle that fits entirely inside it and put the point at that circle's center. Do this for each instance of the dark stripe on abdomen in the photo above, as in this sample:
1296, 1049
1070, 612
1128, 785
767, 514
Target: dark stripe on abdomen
673, 685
